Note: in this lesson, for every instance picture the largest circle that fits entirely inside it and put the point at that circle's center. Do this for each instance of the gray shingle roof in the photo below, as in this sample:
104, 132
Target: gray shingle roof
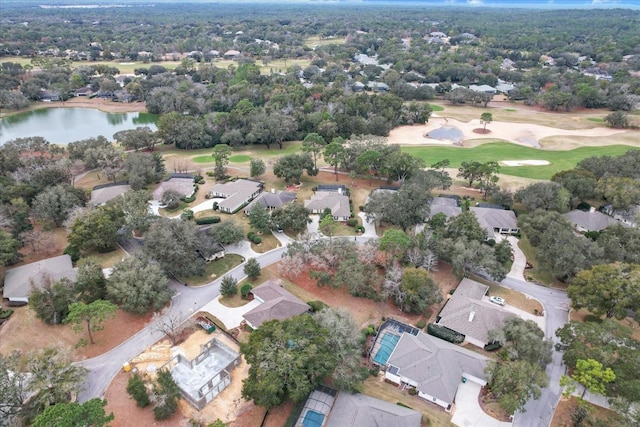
436, 365
183, 186
100, 196
359, 410
490, 219
444, 205
591, 221
338, 203
17, 281
466, 300
278, 304
272, 200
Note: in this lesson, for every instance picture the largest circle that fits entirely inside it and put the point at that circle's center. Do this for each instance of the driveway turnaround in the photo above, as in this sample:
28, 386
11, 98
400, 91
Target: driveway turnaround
230, 316
468, 412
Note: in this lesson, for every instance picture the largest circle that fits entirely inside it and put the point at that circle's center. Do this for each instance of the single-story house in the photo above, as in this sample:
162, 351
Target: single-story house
271, 200
101, 194
496, 221
209, 249
236, 194
446, 205
360, 410
336, 201
49, 96
434, 367
231, 54
378, 86
483, 89
626, 217
83, 91
275, 303
180, 183
18, 280
589, 221
466, 313
358, 86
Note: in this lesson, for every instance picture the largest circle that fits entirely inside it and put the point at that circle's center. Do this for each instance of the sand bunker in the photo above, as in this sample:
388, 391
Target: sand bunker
524, 162
440, 130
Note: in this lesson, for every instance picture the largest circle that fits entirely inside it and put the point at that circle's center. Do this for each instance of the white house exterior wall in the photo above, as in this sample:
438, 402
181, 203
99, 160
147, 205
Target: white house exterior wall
432, 399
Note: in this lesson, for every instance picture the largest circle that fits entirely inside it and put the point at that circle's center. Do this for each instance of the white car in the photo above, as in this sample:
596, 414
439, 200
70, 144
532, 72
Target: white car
497, 300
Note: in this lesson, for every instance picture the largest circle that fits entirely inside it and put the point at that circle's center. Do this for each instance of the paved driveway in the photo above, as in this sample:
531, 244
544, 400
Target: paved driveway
231, 317
468, 412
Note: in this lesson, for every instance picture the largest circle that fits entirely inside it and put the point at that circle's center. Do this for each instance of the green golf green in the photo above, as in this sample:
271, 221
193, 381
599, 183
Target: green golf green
239, 158
499, 151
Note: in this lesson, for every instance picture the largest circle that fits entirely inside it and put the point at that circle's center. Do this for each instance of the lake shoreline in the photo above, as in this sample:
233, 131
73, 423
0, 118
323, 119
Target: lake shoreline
103, 105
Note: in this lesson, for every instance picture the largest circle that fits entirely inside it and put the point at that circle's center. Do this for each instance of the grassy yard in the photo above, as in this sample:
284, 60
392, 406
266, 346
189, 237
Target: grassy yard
318, 41
514, 298
498, 151
376, 387
214, 270
234, 301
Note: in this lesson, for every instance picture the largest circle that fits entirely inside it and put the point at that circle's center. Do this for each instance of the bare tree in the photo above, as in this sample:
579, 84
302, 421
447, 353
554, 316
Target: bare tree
171, 324
39, 241
393, 282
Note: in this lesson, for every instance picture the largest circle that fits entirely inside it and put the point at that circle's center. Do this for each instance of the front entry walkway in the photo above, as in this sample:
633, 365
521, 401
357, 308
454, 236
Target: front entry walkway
468, 412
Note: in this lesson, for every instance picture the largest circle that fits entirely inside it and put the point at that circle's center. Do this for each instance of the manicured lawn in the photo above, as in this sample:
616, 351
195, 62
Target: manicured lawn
317, 41
595, 119
498, 151
239, 158
214, 270
435, 108
233, 301
203, 159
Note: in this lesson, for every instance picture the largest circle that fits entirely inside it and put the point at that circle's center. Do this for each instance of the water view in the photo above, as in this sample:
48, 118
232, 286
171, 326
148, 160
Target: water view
65, 125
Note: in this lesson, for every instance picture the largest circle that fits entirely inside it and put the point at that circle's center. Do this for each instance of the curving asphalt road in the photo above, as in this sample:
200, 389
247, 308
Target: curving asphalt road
538, 413
186, 301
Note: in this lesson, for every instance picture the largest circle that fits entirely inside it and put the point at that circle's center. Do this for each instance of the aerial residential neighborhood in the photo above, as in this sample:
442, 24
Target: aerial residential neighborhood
319, 215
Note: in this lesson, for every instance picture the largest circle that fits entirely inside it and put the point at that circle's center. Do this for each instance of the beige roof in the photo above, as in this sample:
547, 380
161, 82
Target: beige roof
467, 299
17, 281
100, 196
278, 304
338, 203
359, 410
591, 221
436, 365
183, 186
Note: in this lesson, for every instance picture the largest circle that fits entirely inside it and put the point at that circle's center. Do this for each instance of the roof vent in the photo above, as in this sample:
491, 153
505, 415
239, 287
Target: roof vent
471, 316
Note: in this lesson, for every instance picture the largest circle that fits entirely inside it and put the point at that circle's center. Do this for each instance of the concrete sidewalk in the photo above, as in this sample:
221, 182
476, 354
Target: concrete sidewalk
468, 412
231, 317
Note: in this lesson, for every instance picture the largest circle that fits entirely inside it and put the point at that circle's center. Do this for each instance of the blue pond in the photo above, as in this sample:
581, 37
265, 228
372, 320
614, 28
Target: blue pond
313, 419
387, 344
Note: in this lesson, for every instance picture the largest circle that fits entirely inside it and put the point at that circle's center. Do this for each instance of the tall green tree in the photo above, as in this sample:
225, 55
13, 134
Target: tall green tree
138, 285
221, 154
368, 162
51, 300
514, 382
96, 230
313, 144
291, 167
257, 168
486, 118
166, 395
284, 362
607, 289
174, 245
91, 315
54, 378
523, 340
137, 389
91, 285
252, 269
54, 205
592, 375
333, 153
74, 414
227, 232
8, 249
418, 291
292, 216
260, 218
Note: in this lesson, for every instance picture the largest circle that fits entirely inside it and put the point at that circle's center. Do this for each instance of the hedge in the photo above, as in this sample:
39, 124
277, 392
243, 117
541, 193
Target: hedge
352, 222
251, 235
359, 229
73, 252
317, 306
421, 324
5, 314
444, 333
256, 239
208, 220
492, 346
245, 289
189, 199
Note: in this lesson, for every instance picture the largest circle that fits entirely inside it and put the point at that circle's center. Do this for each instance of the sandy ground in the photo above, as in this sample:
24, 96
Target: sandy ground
97, 103
529, 135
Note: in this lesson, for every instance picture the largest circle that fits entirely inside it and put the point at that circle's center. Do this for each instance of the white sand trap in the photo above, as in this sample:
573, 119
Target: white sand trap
524, 162
518, 133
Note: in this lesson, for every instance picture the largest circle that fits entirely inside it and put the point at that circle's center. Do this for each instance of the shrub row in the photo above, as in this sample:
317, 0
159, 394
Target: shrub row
254, 238
208, 220
352, 222
317, 306
445, 333
359, 229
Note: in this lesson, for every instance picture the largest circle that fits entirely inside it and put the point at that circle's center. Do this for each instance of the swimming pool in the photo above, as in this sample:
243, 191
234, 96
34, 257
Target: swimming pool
313, 419
387, 344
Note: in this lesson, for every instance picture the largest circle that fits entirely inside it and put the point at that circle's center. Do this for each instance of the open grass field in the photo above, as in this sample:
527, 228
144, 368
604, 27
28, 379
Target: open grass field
215, 269
127, 67
499, 151
315, 41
